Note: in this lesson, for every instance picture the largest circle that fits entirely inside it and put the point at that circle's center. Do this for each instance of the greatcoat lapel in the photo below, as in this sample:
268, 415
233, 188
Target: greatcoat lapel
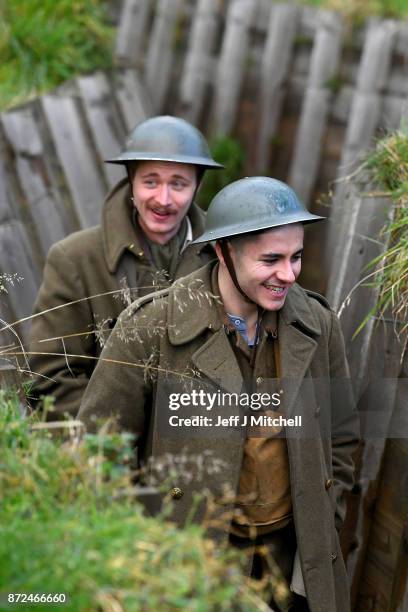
297, 328
215, 358
217, 361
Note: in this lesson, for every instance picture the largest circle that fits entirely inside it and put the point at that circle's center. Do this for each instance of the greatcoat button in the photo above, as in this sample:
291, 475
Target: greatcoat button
176, 493
328, 483
317, 411
259, 380
333, 556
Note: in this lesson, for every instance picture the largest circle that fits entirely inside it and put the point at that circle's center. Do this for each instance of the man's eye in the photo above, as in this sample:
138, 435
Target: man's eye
150, 183
178, 185
297, 257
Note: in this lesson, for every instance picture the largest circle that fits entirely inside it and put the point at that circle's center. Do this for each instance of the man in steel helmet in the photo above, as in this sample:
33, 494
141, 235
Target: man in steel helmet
144, 241
242, 329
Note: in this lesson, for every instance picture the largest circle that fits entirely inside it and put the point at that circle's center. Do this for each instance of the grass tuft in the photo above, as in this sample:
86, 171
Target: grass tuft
387, 166
44, 42
356, 11
68, 526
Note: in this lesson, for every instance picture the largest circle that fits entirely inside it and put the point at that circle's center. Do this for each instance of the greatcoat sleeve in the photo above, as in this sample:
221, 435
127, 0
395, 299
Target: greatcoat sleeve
61, 341
120, 388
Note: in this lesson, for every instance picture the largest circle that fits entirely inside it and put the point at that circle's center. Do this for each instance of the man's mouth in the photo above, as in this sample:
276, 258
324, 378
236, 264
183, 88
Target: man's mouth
163, 213
275, 289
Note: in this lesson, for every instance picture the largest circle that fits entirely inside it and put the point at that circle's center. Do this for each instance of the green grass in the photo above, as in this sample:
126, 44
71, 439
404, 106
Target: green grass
387, 167
45, 42
67, 526
358, 10
229, 152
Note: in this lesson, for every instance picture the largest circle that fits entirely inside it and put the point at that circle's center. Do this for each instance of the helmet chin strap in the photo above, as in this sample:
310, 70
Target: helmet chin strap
130, 180
231, 269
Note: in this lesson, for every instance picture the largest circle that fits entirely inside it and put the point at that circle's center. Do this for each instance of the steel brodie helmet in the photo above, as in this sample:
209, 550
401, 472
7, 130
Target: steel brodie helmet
253, 204
167, 138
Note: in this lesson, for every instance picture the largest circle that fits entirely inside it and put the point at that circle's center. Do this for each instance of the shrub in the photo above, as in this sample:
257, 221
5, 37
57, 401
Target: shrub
67, 525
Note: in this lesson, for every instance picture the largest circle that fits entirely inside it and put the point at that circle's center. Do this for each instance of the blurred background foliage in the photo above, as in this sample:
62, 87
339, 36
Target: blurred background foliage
45, 42
230, 152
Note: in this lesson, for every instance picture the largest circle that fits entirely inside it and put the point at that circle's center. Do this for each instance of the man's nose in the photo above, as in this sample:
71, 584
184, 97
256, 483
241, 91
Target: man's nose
163, 195
285, 272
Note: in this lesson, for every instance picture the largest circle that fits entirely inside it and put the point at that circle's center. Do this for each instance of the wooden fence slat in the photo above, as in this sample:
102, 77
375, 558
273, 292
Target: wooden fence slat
13, 223
160, 53
372, 78
76, 157
393, 111
44, 208
9, 375
398, 80
16, 258
308, 22
197, 70
309, 141
382, 342
364, 113
107, 131
385, 548
401, 43
231, 66
131, 31
274, 70
6, 211
132, 99
364, 218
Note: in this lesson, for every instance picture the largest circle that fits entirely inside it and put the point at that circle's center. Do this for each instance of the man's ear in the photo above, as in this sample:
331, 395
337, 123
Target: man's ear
219, 252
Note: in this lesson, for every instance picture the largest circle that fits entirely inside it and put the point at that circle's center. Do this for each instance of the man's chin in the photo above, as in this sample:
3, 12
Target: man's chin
273, 304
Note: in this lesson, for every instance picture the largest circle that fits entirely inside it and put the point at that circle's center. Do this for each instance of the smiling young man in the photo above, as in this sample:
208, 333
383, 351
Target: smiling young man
243, 328
144, 242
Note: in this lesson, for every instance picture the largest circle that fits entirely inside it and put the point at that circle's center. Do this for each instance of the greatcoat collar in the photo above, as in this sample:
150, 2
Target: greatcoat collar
194, 293
118, 230
192, 310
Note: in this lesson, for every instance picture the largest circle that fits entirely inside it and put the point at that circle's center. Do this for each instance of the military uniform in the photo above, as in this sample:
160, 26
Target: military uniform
180, 333
89, 278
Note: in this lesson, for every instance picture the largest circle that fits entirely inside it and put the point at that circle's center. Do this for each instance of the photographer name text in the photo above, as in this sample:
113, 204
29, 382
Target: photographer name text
236, 421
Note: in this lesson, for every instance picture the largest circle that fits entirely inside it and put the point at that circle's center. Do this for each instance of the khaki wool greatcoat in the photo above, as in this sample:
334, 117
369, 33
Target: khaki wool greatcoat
179, 331
94, 268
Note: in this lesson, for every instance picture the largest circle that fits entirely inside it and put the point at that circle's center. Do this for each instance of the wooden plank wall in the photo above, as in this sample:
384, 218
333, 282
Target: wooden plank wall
301, 89
52, 177
305, 94
377, 511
